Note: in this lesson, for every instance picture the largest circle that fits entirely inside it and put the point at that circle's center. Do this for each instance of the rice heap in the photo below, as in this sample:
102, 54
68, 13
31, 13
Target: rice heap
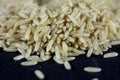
65, 31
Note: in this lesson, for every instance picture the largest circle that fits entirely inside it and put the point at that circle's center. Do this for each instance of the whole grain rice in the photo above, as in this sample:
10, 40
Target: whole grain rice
63, 28
58, 60
67, 65
19, 57
92, 69
110, 55
39, 74
29, 63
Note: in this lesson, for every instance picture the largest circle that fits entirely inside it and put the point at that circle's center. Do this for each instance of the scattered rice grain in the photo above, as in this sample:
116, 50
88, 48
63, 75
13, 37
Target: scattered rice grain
39, 74
67, 65
110, 55
92, 69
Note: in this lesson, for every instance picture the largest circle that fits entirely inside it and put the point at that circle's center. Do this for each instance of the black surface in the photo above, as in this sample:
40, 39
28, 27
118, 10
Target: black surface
11, 70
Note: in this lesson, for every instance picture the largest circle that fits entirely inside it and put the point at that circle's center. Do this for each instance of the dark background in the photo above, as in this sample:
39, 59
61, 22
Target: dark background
11, 70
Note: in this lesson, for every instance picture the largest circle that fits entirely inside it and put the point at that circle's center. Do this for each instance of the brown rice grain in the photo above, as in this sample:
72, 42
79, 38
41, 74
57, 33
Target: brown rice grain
92, 69
19, 57
39, 74
29, 63
110, 55
67, 65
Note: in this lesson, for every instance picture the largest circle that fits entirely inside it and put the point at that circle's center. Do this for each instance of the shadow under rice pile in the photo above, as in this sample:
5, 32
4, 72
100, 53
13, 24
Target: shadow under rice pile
66, 30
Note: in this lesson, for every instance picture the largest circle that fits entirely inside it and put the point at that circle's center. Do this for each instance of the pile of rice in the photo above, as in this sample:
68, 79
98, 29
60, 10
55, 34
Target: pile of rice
65, 30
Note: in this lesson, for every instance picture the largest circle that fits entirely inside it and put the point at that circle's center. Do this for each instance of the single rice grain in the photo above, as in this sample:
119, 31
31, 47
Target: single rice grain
19, 57
67, 65
92, 69
110, 55
29, 63
39, 74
